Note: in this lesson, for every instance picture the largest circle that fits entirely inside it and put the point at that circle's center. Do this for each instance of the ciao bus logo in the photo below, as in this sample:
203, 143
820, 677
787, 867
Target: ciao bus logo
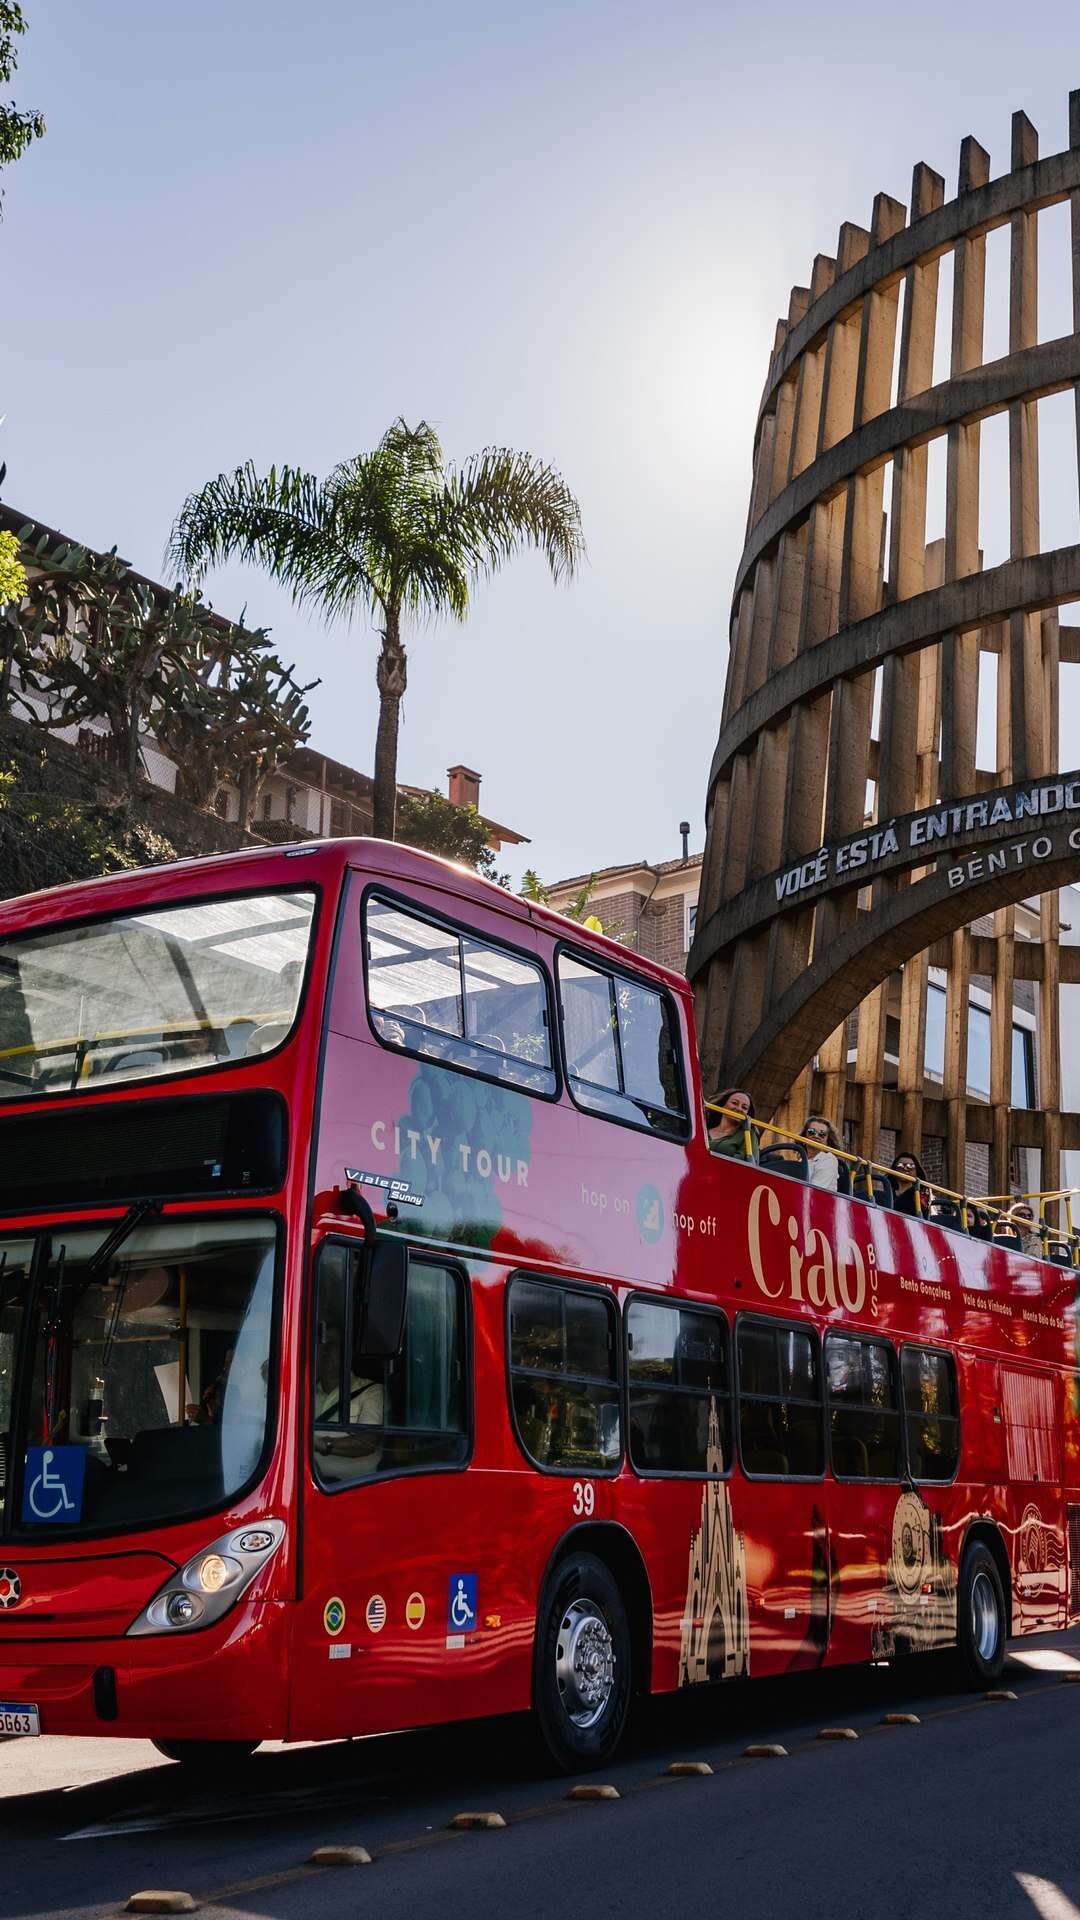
799, 1263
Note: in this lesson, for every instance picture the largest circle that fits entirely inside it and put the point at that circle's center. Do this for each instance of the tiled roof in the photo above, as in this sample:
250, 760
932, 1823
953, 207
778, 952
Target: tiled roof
659, 872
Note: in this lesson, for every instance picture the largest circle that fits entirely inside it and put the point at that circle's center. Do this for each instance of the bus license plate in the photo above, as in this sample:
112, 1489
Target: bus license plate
16, 1719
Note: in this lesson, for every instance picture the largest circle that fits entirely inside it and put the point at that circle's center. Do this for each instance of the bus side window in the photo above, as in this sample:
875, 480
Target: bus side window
375, 1416
444, 994
622, 1048
931, 1413
679, 1389
781, 1431
864, 1409
564, 1377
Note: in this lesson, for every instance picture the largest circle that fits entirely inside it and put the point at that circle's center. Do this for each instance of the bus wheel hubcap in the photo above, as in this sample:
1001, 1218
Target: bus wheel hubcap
584, 1663
984, 1616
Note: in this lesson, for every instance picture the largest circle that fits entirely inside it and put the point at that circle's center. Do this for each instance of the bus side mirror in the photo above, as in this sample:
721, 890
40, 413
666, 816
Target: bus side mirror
381, 1280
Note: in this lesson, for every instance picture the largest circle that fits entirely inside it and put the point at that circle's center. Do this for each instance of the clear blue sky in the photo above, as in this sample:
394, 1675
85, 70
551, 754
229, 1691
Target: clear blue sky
265, 230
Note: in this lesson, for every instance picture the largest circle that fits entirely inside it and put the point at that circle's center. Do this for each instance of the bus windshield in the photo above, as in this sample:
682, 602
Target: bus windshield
161, 991
133, 1388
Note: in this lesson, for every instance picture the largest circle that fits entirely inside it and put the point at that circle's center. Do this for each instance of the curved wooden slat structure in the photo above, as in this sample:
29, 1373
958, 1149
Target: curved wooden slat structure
842, 611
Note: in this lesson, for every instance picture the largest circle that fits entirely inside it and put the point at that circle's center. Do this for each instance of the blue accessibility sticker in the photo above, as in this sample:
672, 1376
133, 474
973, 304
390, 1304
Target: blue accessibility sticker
461, 1609
53, 1486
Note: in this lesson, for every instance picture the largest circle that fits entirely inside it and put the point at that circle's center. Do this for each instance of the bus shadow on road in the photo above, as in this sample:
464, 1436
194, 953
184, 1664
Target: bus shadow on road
481, 1757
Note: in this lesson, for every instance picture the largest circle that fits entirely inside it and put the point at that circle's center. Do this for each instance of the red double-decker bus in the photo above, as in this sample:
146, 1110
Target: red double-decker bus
380, 1343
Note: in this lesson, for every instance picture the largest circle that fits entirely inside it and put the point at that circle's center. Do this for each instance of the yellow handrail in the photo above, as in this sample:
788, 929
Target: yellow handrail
861, 1166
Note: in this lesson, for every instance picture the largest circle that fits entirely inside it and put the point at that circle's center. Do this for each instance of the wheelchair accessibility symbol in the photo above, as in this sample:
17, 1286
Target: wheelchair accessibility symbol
53, 1485
461, 1611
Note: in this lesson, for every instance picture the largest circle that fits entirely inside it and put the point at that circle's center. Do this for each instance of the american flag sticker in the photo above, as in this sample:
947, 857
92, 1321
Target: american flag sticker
375, 1613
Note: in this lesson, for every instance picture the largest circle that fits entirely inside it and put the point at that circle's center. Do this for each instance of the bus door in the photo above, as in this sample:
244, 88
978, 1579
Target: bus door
381, 1524
782, 1448
1029, 1406
862, 1400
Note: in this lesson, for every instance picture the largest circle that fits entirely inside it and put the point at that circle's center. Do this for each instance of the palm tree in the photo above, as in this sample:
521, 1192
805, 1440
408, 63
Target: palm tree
396, 532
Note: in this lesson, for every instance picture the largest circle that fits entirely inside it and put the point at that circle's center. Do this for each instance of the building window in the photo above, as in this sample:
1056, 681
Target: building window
338, 819
621, 1051
268, 806
564, 1379
221, 804
448, 996
679, 1391
376, 1416
864, 1408
978, 1053
781, 1434
691, 922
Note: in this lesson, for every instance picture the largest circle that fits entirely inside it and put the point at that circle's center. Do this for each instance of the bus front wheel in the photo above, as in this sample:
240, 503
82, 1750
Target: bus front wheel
211, 1756
980, 1617
582, 1678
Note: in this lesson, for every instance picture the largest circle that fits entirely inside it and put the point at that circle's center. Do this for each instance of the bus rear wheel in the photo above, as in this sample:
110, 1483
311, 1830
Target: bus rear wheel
211, 1756
582, 1676
980, 1617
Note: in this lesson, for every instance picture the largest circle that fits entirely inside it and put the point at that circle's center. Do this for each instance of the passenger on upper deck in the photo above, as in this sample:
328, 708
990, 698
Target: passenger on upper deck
910, 1196
821, 1136
732, 1135
1022, 1217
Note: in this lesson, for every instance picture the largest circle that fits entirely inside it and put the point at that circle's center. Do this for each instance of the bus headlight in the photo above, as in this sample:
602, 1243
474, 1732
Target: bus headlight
212, 1573
211, 1582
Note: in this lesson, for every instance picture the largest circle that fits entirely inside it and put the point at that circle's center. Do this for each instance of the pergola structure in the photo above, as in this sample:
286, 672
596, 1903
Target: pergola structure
850, 832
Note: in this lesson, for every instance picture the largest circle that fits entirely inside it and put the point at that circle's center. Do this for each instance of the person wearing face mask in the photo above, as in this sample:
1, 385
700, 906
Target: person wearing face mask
731, 1133
910, 1196
822, 1145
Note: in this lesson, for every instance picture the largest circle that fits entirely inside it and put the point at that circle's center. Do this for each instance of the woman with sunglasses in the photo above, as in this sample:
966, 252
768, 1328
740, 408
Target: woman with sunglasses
908, 1172
822, 1144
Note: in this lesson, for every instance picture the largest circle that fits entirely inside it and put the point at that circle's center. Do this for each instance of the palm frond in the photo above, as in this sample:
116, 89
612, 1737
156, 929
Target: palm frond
501, 501
284, 521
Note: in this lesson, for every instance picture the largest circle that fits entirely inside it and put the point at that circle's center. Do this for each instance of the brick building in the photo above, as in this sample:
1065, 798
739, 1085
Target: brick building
650, 907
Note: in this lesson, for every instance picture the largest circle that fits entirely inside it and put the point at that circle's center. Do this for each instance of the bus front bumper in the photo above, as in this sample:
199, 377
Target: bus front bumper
227, 1682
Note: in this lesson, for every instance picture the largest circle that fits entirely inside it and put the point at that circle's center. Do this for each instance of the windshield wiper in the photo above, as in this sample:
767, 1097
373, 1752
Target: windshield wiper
122, 1231
94, 1267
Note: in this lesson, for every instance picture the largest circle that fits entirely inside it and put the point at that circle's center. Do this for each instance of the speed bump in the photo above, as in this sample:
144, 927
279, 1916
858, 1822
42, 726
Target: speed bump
765, 1753
838, 1733
900, 1720
160, 1900
340, 1857
593, 1793
999, 1693
481, 1822
685, 1769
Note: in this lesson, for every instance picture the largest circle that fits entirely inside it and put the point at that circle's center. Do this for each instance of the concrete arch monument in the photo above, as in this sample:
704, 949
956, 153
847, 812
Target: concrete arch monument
850, 832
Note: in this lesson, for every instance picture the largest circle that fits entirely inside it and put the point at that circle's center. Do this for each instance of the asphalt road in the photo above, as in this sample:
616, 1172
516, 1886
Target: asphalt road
971, 1812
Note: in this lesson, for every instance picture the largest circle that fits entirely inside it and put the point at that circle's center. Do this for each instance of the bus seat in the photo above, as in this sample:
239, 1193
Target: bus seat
843, 1179
271, 1034
769, 1461
849, 1456
131, 1065
788, 1158
1060, 1253
946, 1213
1006, 1235
883, 1190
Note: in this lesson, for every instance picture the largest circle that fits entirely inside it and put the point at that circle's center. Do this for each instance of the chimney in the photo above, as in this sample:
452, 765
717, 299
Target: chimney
684, 829
464, 787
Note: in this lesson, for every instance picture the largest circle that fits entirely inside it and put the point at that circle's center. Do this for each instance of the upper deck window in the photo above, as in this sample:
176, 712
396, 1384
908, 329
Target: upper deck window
160, 991
622, 1055
447, 995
